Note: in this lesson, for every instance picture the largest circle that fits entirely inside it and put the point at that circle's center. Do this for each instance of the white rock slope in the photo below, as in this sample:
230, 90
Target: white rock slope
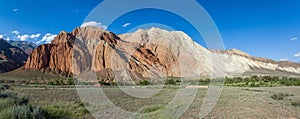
195, 60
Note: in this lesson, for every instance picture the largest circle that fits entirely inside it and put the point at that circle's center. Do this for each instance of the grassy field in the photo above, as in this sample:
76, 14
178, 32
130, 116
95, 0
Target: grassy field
235, 102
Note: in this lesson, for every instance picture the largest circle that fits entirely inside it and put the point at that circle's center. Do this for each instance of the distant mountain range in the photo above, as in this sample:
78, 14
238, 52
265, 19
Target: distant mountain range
11, 57
27, 47
146, 53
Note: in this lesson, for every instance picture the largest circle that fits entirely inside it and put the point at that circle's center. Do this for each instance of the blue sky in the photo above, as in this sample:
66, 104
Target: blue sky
265, 28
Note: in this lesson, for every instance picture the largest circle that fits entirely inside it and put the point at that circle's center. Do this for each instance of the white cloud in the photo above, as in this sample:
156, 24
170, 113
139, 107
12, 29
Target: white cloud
7, 38
125, 25
1, 36
15, 32
34, 36
93, 23
297, 55
47, 38
26, 36
23, 37
15, 10
294, 38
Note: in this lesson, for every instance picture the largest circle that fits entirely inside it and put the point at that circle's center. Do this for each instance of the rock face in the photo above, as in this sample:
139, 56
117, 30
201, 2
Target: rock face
211, 63
11, 57
244, 62
27, 47
55, 57
145, 53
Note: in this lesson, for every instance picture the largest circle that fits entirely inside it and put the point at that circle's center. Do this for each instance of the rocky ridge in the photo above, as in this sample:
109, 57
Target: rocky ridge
11, 57
27, 47
144, 53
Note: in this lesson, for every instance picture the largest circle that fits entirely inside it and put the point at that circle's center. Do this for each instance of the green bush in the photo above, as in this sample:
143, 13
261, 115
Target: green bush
258, 81
170, 81
26, 112
51, 83
4, 87
296, 103
144, 82
13, 106
65, 111
71, 81
204, 81
56, 82
38, 113
252, 84
22, 112
61, 82
149, 109
6, 94
16, 107
279, 96
104, 83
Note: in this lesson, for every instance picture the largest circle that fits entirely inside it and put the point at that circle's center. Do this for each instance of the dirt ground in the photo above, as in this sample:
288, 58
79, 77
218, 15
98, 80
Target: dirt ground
234, 102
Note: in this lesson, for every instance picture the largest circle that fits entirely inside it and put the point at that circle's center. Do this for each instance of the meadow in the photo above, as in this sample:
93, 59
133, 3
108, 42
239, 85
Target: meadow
276, 99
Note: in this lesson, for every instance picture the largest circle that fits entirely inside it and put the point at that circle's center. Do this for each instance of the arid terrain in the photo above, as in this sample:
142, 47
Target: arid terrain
150, 59
235, 102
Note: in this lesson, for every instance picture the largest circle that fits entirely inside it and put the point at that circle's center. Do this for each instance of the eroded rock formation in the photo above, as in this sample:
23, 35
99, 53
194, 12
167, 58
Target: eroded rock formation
144, 53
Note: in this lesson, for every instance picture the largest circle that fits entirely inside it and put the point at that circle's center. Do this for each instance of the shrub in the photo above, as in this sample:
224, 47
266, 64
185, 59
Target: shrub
267, 78
3, 87
255, 78
204, 81
51, 83
279, 96
252, 84
13, 99
71, 81
170, 81
21, 100
256, 81
296, 103
65, 111
144, 82
16, 107
38, 113
6, 94
25, 112
56, 82
22, 111
61, 82
104, 83
149, 109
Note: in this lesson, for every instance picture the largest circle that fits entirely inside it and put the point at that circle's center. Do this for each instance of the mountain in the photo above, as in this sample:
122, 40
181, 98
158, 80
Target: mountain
27, 47
54, 57
148, 53
11, 57
211, 62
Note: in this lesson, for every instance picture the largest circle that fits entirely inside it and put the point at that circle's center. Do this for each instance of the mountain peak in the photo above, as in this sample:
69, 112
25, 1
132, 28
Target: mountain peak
11, 57
141, 50
2, 40
156, 29
237, 52
26, 46
232, 51
87, 30
4, 43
